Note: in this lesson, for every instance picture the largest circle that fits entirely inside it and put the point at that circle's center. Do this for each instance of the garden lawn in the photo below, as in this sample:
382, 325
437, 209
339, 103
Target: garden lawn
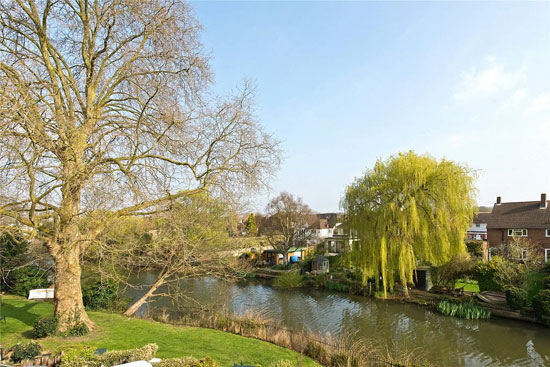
469, 285
116, 332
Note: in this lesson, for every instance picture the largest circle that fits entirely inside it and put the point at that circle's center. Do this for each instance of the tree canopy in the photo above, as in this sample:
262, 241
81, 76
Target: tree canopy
408, 209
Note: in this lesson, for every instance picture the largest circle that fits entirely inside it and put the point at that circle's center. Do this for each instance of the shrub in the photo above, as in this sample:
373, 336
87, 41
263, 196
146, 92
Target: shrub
21, 352
116, 357
45, 326
464, 310
292, 279
546, 282
282, 363
337, 286
85, 357
475, 249
100, 294
177, 362
499, 274
516, 297
78, 329
541, 306
20, 281
460, 266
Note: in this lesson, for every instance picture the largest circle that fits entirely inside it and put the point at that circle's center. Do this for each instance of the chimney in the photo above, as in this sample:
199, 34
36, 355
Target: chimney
543, 202
498, 200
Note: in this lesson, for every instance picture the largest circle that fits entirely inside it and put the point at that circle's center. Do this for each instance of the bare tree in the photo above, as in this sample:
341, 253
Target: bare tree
104, 104
286, 222
190, 239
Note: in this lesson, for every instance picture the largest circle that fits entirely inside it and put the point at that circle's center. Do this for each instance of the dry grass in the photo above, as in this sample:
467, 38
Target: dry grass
348, 351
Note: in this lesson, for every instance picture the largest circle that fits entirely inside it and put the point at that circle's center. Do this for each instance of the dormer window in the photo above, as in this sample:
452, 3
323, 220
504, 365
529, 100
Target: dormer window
517, 232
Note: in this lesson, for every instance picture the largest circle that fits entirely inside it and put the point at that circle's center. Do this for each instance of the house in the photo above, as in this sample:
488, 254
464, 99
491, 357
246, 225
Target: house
322, 225
478, 229
342, 239
275, 256
525, 219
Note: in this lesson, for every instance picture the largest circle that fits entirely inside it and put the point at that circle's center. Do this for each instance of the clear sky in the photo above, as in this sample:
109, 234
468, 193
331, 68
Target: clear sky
342, 84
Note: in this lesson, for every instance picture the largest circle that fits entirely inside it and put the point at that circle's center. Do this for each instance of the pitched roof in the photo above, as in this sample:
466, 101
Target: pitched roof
480, 218
524, 214
323, 220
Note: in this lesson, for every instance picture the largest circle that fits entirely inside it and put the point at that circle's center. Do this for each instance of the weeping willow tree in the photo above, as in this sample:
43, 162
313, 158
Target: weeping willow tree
411, 208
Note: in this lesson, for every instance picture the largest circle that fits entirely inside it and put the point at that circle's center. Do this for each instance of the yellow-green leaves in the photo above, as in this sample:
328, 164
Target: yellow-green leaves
409, 209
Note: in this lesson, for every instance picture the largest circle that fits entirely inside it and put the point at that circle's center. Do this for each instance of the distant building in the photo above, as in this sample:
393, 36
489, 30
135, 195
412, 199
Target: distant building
478, 229
524, 219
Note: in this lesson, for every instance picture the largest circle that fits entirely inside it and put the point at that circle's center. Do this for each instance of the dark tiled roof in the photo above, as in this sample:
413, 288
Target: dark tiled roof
481, 218
317, 221
525, 214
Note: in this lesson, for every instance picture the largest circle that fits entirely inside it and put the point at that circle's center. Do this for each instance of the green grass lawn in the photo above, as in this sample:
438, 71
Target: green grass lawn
116, 332
469, 285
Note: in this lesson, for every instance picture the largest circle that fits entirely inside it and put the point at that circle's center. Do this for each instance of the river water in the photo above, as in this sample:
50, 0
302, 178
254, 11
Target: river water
443, 341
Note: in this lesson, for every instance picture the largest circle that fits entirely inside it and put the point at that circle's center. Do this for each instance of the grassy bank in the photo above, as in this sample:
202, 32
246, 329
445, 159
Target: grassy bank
114, 332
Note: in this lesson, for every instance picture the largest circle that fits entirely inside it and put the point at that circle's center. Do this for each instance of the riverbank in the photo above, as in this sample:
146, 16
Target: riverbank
116, 332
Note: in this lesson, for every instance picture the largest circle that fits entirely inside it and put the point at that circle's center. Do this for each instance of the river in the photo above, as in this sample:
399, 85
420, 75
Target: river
443, 341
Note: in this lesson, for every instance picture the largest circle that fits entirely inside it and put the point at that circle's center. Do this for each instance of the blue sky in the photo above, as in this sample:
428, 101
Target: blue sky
342, 84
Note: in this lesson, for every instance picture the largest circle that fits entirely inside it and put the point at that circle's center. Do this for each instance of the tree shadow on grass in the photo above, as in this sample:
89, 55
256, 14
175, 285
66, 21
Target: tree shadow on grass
22, 314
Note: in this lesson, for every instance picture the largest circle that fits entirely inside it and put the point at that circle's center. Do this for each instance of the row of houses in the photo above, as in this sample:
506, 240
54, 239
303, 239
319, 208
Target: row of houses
507, 221
502, 223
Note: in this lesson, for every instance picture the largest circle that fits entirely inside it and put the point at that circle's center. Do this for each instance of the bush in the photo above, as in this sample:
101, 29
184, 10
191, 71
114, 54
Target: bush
21, 281
282, 363
145, 353
541, 306
45, 326
292, 279
87, 358
475, 249
100, 294
177, 362
78, 329
21, 352
499, 274
516, 297
546, 282
460, 266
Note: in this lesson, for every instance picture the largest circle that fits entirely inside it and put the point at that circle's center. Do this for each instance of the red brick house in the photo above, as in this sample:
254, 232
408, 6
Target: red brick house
526, 219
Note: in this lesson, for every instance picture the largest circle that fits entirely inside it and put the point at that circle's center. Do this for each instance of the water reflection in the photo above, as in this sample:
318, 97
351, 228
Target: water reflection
444, 341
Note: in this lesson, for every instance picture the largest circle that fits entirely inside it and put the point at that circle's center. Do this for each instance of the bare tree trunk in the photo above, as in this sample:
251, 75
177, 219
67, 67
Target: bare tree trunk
143, 299
69, 306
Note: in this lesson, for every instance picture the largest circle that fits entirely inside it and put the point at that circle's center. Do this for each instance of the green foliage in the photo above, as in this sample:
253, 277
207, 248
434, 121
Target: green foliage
409, 208
337, 286
22, 352
20, 281
282, 363
546, 282
464, 310
45, 326
100, 294
516, 297
446, 275
291, 279
177, 362
475, 249
86, 358
541, 306
499, 274
251, 227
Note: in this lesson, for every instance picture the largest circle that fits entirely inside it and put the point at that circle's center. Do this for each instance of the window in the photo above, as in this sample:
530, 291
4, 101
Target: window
478, 225
548, 233
517, 232
524, 254
547, 254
